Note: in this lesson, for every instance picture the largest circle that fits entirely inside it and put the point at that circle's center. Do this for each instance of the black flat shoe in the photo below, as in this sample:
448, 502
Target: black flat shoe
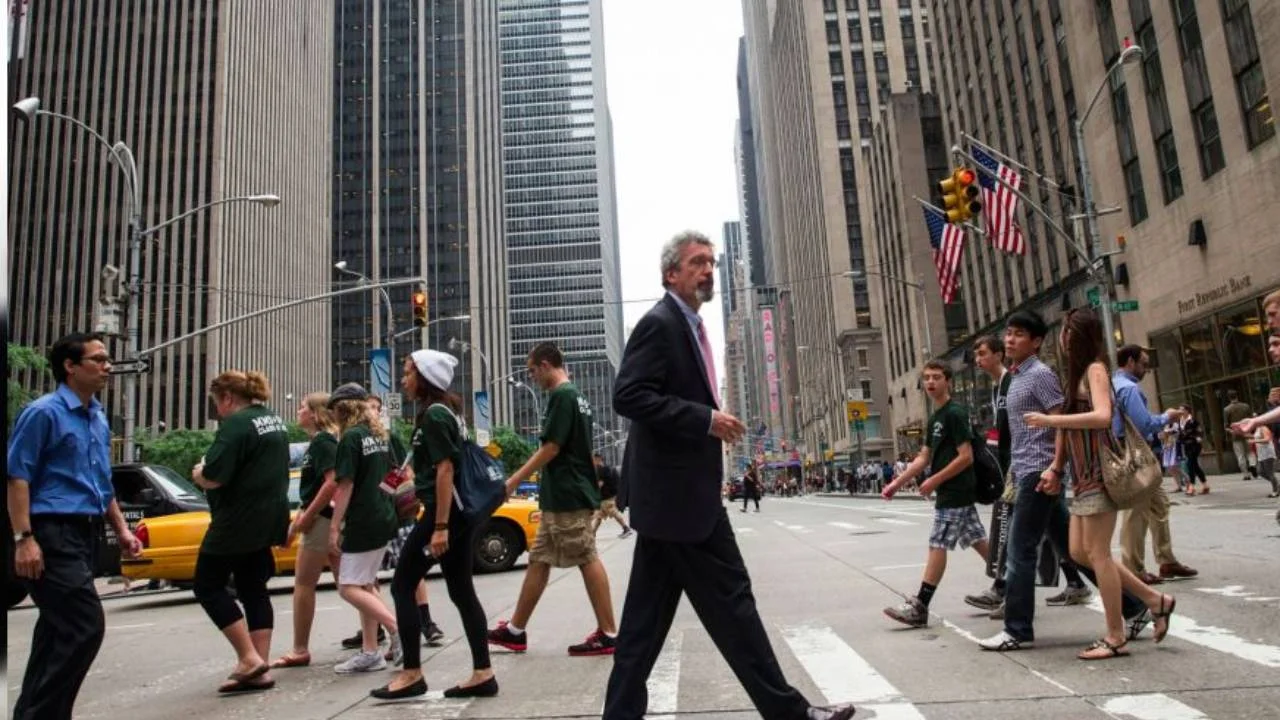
488, 688
414, 690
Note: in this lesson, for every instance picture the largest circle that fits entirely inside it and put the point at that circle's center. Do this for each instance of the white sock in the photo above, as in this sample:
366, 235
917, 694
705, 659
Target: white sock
611, 636
515, 630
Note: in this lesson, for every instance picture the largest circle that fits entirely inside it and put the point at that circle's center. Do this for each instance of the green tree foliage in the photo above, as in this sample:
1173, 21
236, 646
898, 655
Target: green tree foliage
516, 449
296, 433
21, 360
178, 449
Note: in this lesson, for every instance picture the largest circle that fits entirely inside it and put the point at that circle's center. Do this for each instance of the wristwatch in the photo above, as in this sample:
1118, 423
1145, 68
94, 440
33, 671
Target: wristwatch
20, 536
442, 526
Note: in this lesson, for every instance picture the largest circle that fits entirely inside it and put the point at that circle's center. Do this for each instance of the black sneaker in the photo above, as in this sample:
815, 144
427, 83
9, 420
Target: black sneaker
503, 637
434, 635
357, 640
597, 643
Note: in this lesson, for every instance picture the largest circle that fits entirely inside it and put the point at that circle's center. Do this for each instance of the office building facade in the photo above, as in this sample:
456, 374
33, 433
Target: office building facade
417, 187
561, 226
216, 100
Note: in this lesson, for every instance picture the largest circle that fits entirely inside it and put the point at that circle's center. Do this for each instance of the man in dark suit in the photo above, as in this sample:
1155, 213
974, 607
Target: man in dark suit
671, 475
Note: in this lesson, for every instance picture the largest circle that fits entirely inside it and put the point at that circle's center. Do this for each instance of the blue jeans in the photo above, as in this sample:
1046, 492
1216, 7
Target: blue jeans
1034, 515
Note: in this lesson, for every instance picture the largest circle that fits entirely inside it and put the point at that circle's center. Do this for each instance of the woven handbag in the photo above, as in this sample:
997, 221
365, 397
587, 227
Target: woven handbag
1131, 472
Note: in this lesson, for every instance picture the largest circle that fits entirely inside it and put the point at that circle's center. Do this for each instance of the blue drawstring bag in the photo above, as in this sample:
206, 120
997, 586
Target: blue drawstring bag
479, 481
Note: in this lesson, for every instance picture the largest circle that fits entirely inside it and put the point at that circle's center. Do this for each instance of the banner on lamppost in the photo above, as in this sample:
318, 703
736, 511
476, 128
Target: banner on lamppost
483, 418
771, 366
380, 372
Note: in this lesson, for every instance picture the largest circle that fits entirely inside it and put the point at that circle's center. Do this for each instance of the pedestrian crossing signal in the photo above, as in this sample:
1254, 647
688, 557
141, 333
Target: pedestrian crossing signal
419, 308
960, 195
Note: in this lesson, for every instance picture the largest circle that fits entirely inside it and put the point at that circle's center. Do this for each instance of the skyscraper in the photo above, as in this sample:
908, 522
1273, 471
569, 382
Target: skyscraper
216, 100
562, 234
417, 184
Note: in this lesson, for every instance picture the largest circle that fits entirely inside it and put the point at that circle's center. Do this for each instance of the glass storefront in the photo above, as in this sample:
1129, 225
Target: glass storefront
1199, 362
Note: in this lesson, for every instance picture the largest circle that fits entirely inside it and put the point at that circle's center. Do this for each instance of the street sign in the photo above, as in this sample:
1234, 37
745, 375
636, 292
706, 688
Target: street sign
131, 367
393, 404
855, 410
859, 425
1094, 296
1123, 306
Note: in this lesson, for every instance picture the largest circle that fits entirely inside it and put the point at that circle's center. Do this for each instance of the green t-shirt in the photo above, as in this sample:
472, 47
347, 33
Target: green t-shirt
249, 458
568, 482
316, 462
436, 438
948, 430
370, 522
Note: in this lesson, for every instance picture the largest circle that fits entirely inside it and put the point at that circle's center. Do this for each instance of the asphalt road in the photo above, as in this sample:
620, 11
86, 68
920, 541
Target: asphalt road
823, 569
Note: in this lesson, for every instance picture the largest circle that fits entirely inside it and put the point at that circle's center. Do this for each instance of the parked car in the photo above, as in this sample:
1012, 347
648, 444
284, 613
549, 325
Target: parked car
736, 490
144, 491
170, 543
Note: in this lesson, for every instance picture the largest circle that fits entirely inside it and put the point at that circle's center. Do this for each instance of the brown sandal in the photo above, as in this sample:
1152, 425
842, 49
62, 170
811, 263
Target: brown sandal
1110, 651
289, 660
1160, 630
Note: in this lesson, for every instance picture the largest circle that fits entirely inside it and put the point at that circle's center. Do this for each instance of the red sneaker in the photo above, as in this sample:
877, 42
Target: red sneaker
597, 643
503, 637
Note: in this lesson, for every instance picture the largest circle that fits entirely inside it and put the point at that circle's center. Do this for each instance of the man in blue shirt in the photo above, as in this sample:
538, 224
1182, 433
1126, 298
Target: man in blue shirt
59, 489
1133, 362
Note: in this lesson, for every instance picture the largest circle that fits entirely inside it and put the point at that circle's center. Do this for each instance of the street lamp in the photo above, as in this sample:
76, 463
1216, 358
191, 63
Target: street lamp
459, 318
927, 349
1102, 275
341, 266
463, 346
29, 109
537, 405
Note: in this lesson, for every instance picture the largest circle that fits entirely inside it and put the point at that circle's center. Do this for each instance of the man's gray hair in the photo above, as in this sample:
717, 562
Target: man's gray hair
675, 247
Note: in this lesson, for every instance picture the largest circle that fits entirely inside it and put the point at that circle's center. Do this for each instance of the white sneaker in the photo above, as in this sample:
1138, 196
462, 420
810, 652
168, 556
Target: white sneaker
397, 651
361, 662
1004, 642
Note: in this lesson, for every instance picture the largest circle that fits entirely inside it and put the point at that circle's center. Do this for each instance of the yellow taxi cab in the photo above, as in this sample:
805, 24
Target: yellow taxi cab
171, 542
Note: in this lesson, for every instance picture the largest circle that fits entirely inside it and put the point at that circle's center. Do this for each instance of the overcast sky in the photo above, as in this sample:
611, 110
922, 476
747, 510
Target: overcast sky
672, 73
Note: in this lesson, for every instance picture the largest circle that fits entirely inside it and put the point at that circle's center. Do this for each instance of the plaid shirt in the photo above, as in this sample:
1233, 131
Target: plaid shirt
1034, 388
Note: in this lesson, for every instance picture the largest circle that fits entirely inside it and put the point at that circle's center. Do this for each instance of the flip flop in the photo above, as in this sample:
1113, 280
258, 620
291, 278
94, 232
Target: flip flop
292, 661
253, 674
1159, 633
236, 687
1112, 651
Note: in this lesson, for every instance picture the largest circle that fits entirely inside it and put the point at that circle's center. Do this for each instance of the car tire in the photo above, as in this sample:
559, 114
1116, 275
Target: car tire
498, 546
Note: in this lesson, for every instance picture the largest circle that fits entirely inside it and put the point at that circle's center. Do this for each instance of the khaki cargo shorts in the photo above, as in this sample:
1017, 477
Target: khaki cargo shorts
564, 539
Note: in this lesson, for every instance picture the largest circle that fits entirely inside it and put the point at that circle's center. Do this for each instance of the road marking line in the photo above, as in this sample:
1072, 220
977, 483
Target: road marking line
1155, 706
846, 526
894, 521
1237, 591
438, 703
899, 567
129, 627
664, 679
894, 711
877, 510
744, 530
842, 675
1216, 638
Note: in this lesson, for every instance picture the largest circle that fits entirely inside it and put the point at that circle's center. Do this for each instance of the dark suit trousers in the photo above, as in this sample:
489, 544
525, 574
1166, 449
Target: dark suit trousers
71, 625
714, 577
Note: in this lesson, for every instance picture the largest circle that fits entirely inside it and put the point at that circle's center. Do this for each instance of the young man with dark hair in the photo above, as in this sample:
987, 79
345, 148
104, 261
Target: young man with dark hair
948, 456
568, 497
1036, 463
59, 491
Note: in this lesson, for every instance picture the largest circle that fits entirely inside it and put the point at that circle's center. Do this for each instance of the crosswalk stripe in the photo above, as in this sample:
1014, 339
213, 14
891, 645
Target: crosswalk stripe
895, 521
843, 675
1155, 706
438, 704
1216, 638
664, 680
845, 525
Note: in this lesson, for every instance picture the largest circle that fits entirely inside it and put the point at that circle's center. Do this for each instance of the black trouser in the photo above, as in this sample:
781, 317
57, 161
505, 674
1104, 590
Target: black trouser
70, 628
457, 566
748, 496
1193, 465
714, 577
251, 570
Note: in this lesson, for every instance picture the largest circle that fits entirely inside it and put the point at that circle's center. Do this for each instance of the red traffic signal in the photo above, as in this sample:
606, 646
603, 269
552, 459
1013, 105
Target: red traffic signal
419, 308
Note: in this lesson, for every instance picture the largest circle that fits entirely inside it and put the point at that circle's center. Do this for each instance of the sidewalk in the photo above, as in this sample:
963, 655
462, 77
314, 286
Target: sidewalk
1229, 486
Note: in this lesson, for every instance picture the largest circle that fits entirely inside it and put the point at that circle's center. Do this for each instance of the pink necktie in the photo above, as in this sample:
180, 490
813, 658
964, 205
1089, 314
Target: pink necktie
708, 362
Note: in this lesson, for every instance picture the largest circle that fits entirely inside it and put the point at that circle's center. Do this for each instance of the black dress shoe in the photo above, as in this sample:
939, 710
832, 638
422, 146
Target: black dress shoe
843, 711
386, 693
488, 688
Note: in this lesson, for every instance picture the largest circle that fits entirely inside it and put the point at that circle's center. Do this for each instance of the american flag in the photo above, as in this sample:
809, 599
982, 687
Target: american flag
998, 203
948, 244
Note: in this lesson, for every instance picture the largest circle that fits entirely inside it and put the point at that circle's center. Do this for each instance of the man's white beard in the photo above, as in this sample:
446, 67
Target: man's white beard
705, 293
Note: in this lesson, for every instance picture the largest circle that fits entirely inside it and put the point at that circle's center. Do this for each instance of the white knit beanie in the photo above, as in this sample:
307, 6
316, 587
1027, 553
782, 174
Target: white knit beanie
435, 366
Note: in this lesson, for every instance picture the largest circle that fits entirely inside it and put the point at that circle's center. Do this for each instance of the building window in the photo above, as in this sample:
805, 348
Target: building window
1170, 174
908, 28
877, 29
866, 389
1195, 75
881, 62
833, 33
1157, 102
1251, 85
862, 358
1208, 139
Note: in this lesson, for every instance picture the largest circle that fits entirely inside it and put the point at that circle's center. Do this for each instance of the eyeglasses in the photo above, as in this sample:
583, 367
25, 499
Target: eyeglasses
99, 359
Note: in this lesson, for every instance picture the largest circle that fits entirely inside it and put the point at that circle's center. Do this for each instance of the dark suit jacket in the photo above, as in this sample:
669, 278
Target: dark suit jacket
672, 466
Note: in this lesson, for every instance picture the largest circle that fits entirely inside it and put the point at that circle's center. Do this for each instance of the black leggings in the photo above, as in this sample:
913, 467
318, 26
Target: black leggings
746, 498
1193, 465
251, 570
457, 565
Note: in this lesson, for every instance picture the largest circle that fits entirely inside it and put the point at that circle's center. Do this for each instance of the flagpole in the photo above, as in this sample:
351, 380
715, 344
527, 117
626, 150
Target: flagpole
1071, 240
1010, 161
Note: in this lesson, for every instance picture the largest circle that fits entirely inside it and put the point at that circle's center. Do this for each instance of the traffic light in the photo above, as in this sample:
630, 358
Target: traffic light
419, 308
960, 195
